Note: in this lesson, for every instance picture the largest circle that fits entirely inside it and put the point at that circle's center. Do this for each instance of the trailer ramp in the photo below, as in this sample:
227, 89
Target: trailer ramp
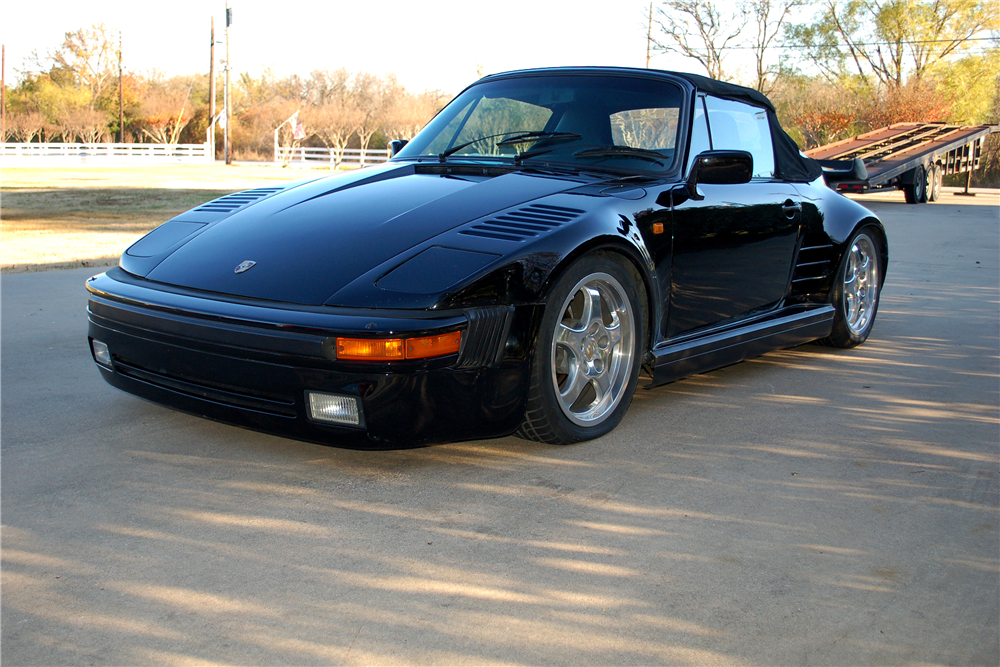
912, 157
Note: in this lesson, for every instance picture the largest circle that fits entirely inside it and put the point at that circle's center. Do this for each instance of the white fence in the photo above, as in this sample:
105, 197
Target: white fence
12, 153
315, 157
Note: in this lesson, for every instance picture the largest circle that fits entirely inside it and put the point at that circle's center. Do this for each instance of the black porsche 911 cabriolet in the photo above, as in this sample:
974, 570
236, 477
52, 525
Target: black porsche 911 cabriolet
549, 235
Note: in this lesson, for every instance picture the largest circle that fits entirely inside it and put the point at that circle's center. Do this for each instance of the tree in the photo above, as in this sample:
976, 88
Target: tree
89, 55
970, 83
769, 19
373, 97
884, 41
409, 113
88, 126
163, 114
916, 101
325, 86
698, 29
25, 126
815, 111
333, 125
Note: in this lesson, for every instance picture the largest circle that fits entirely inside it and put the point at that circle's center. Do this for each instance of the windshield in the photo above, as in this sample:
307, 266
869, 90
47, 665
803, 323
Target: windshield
595, 121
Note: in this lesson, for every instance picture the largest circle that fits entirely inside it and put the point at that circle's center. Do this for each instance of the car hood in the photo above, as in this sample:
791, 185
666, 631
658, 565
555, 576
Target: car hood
308, 242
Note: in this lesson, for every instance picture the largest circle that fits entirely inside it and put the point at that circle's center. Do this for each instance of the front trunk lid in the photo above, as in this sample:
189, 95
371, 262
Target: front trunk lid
308, 242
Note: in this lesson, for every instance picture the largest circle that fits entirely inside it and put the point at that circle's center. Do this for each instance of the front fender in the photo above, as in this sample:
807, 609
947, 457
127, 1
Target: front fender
527, 275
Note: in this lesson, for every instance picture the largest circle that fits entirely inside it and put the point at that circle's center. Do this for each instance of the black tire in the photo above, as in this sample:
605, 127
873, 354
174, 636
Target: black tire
856, 290
916, 192
585, 364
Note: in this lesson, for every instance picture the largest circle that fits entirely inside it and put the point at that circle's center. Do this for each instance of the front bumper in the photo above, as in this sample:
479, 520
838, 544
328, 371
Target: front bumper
252, 366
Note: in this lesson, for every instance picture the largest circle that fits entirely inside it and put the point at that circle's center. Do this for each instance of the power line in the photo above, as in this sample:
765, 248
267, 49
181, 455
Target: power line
814, 46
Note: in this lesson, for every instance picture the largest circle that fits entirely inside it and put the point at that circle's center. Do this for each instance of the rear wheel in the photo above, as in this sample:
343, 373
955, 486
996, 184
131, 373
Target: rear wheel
856, 291
586, 361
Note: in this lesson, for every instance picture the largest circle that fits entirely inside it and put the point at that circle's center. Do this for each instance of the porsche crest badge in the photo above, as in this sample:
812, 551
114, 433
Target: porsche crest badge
245, 266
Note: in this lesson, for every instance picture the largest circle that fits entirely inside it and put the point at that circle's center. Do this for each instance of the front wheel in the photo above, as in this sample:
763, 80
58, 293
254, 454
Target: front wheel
586, 360
856, 291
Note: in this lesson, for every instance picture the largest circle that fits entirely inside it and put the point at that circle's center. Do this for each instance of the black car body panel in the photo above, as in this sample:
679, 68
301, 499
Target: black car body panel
234, 310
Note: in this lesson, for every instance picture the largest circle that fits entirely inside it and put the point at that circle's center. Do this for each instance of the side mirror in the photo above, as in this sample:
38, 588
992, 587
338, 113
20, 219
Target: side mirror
714, 168
395, 146
721, 168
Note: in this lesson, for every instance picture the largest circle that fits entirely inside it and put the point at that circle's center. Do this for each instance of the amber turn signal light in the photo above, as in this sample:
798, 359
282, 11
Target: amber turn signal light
433, 346
397, 349
370, 349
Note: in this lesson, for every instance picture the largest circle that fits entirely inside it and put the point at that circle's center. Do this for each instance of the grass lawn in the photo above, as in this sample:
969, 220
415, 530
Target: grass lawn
72, 216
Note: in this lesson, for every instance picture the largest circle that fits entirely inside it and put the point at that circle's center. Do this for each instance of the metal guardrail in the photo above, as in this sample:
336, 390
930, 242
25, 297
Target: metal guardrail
107, 153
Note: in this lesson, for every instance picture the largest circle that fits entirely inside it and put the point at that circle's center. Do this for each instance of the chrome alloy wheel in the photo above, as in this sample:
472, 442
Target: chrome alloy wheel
860, 285
593, 349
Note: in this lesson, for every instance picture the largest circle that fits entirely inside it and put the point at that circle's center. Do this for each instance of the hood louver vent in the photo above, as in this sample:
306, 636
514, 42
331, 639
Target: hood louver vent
230, 203
524, 223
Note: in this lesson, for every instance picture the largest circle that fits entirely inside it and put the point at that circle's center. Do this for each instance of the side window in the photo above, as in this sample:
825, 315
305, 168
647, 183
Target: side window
699, 133
739, 126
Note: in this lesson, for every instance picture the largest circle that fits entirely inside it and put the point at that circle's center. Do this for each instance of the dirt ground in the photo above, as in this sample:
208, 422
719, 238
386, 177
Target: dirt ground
808, 507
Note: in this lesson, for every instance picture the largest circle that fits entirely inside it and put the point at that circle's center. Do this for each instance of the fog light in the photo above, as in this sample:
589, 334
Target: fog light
334, 409
102, 354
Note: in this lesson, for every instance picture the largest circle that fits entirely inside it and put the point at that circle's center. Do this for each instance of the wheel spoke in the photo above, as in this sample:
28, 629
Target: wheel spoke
575, 383
569, 337
614, 335
591, 308
602, 383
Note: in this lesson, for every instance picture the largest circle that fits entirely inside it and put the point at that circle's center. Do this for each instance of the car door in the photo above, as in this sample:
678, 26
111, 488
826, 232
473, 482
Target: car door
733, 250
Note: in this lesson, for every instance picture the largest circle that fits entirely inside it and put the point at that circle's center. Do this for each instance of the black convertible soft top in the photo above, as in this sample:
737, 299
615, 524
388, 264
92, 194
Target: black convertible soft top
791, 164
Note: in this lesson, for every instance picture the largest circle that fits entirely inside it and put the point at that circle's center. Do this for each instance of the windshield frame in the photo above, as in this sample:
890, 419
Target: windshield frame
463, 105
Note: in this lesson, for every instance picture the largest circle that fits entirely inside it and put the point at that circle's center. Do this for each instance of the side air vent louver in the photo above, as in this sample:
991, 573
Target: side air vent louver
230, 203
524, 223
814, 265
486, 336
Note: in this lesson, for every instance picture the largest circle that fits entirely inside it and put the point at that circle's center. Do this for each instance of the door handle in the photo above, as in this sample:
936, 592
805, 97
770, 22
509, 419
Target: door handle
791, 208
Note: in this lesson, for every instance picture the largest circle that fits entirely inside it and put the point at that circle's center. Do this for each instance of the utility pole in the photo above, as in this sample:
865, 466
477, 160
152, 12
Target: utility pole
228, 109
649, 34
121, 94
211, 94
3, 92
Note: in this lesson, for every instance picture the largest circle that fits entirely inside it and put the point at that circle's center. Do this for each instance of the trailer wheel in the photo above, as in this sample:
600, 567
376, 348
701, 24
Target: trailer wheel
934, 182
916, 191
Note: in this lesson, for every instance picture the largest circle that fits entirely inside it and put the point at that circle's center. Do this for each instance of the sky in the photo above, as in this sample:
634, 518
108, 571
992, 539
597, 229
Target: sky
428, 45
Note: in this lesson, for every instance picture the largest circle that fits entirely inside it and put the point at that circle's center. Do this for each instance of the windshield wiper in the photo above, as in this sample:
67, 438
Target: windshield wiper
525, 137
622, 151
530, 154
519, 138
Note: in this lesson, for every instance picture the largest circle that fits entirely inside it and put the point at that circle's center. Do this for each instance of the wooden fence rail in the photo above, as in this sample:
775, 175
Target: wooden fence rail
33, 153
317, 156
105, 153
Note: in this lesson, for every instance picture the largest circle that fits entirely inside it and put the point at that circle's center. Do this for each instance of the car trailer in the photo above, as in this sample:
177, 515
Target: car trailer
912, 157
